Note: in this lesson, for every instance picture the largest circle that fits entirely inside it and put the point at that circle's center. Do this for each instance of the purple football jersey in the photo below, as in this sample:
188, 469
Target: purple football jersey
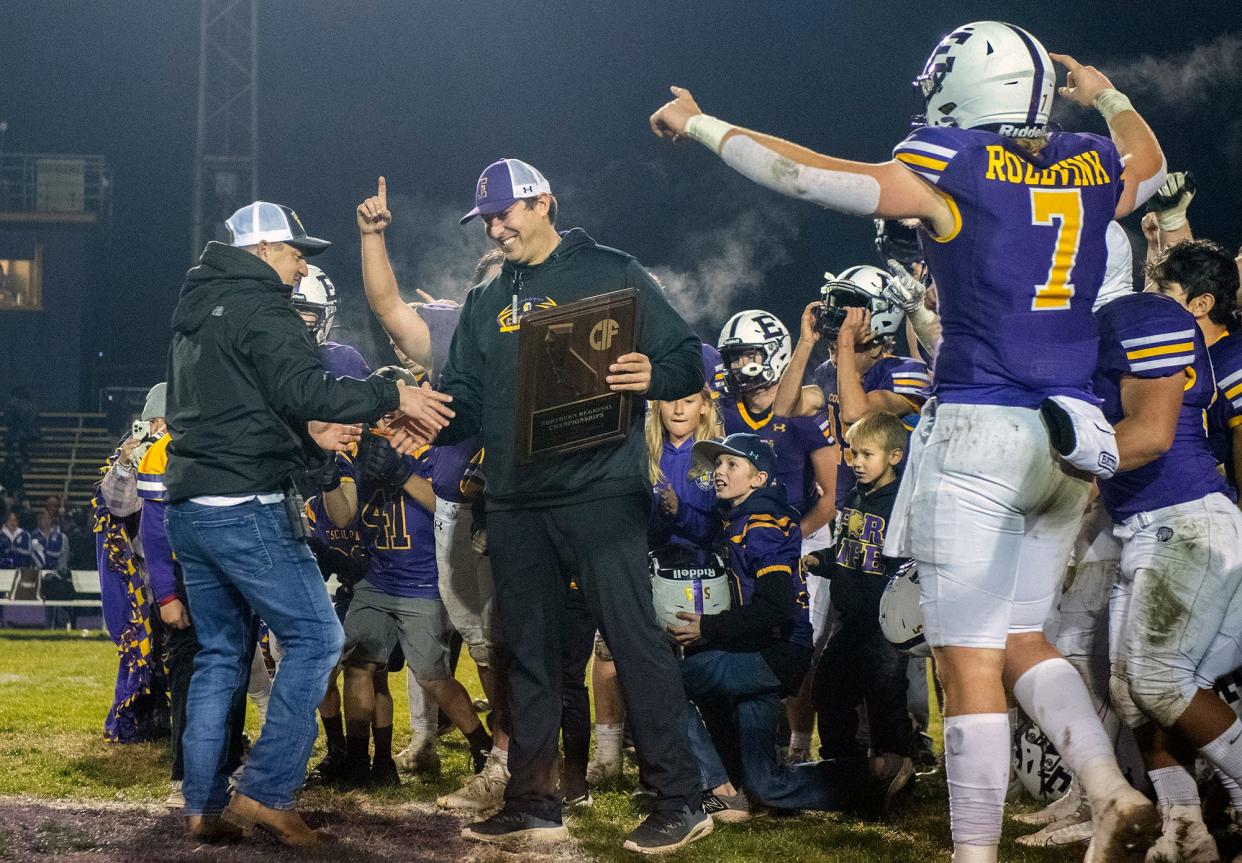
452, 464
1018, 273
793, 440
441, 318
713, 370
398, 533
903, 375
343, 361
1225, 415
1150, 336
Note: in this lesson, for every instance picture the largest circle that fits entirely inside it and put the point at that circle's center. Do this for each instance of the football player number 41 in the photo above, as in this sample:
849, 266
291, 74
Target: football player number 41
1062, 208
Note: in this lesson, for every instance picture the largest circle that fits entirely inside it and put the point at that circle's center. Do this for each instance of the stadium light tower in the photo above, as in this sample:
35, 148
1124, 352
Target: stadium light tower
227, 142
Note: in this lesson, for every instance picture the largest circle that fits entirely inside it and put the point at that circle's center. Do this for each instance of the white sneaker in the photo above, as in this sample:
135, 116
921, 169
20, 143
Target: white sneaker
421, 757
1062, 807
175, 799
1068, 830
1184, 840
485, 790
1125, 825
600, 771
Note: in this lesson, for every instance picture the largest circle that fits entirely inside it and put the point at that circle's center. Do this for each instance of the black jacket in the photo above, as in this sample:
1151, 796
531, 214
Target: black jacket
244, 377
856, 563
482, 373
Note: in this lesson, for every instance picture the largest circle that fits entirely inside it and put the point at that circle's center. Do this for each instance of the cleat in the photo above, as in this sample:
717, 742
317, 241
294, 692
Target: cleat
483, 791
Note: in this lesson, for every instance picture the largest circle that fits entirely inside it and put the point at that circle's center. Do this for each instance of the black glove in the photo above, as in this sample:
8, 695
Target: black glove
382, 465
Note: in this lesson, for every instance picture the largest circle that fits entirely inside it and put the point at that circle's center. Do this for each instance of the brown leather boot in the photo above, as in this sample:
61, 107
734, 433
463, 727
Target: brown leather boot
285, 824
209, 830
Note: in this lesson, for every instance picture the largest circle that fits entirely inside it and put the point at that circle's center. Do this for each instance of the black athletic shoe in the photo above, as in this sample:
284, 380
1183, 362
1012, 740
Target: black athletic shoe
513, 828
329, 770
665, 832
355, 774
384, 774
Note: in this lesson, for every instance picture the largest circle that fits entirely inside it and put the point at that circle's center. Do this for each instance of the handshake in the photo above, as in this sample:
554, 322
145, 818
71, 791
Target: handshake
421, 414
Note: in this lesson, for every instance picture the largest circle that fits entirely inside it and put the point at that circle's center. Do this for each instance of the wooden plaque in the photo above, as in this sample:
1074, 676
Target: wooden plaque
563, 402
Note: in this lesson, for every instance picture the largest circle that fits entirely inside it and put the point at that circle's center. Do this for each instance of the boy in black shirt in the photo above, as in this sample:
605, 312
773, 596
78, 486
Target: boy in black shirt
859, 664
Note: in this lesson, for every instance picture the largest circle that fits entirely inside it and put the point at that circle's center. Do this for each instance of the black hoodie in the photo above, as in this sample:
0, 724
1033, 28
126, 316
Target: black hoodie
482, 373
243, 380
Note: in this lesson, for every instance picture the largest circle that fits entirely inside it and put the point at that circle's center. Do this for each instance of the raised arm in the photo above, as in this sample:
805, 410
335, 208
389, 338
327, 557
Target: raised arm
885, 190
792, 398
404, 325
1144, 162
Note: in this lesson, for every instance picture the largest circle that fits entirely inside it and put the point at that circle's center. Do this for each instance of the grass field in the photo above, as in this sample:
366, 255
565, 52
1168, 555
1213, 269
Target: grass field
65, 793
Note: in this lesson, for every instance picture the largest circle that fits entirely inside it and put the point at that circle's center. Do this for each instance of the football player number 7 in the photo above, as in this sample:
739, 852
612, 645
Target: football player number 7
1062, 208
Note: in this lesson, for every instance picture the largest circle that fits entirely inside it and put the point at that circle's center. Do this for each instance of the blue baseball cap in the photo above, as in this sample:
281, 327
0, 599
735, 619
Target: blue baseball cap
751, 447
503, 182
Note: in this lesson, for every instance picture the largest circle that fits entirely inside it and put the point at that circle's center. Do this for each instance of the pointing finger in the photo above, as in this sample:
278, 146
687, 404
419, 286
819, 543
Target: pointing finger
1066, 60
381, 192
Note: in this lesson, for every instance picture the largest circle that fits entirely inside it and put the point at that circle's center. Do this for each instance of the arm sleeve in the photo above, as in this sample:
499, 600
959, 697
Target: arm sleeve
675, 351
461, 378
294, 378
119, 488
774, 557
157, 551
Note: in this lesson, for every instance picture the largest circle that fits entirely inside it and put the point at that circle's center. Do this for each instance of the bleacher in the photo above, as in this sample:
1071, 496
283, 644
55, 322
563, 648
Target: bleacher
67, 457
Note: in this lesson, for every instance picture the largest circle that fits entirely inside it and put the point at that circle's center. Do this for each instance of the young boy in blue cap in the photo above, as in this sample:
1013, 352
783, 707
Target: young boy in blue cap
747, 658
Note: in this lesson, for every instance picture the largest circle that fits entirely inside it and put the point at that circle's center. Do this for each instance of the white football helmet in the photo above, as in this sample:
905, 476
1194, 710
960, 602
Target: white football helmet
989, 75
901, 616
316, 294
862, 286
758, 332
1037, 764
682, 582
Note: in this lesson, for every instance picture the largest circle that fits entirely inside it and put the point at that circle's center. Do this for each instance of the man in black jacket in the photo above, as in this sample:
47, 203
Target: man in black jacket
244, 382
580, 517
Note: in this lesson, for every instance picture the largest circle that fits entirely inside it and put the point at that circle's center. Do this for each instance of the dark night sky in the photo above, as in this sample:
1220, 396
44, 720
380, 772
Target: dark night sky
428, 93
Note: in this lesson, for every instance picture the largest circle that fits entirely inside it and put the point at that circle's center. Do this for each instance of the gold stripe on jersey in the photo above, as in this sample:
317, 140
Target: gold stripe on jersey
776, 567
1160, 350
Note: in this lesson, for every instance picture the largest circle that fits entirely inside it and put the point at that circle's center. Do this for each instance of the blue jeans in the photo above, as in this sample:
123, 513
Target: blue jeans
744, 684
235, 559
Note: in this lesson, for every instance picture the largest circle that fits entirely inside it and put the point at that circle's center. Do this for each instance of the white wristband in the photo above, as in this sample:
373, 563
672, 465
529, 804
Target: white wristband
708, 131
1110, 103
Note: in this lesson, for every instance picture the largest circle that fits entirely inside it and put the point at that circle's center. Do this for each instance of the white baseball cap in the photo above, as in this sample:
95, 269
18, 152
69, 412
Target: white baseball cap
274, 223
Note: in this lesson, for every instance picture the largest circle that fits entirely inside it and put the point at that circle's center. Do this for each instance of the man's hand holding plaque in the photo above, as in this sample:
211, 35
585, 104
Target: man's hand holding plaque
631, 373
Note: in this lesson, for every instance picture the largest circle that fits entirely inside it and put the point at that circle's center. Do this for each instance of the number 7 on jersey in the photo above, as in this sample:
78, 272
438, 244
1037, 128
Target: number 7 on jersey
1062, 208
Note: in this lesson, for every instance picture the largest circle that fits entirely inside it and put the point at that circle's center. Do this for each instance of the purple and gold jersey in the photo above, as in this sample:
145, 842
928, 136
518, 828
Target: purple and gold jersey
454, 466
1020, 269
339, 550
793, 440
1225, 415
1151, 336
713, 370
905, 376
397, 532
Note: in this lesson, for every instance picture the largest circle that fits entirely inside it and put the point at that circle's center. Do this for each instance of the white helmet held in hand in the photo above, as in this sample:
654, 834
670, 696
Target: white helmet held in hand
863, 286
901, 616
315, 294
760, 333
682, 580
989, 75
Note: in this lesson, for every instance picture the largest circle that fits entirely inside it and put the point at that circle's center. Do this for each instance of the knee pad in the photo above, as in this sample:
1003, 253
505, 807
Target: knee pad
1162, 693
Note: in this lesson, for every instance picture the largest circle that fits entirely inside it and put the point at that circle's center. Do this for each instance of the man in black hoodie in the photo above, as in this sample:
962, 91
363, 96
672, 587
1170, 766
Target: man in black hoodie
244, 382
580, 517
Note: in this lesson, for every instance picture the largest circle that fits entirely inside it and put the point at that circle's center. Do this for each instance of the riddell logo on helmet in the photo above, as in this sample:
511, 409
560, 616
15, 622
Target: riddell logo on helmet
1009, 131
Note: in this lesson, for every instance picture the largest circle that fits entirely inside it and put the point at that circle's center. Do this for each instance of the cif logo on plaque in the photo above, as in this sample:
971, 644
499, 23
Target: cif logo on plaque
603, 333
